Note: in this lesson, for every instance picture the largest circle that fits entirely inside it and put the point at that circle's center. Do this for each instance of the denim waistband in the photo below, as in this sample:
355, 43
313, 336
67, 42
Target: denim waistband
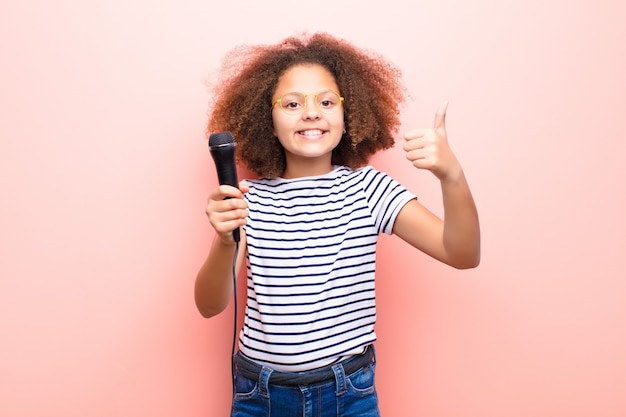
252, 370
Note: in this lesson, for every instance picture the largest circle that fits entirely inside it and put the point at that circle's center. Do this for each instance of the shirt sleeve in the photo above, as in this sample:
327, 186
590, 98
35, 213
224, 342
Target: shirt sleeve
385, 198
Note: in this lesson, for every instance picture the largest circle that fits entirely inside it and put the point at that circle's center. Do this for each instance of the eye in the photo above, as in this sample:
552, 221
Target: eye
291, 105
327, 103
327, 100
292, 102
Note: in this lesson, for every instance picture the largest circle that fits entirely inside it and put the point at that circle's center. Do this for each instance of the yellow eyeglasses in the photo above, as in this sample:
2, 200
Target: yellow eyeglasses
294, 103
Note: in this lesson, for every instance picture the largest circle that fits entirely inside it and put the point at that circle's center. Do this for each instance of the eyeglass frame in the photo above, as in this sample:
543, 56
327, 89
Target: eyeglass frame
278, 100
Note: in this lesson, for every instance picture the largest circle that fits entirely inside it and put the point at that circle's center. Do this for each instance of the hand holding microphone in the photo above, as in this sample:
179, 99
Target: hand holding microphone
226, 208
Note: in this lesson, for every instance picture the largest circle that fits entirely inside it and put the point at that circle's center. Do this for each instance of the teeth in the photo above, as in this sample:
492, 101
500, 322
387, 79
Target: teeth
311, 132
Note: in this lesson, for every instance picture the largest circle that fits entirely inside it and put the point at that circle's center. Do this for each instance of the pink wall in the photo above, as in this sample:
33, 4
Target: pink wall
104, 173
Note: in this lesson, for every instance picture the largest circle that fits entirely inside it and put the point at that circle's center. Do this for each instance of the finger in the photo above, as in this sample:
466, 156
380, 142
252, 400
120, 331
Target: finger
416, 155
225, 191
224, 210
413, 144
440, 116
415, 133
225, 228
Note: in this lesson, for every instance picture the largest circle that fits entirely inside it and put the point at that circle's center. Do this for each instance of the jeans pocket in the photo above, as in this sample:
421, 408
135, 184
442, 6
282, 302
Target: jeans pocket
245, 388
247, 401
360, 398
362, 381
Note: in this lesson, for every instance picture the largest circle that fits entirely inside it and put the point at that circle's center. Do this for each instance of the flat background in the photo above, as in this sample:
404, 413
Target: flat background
104, 174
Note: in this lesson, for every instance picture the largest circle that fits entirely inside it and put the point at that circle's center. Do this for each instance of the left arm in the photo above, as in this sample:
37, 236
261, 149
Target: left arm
455, 240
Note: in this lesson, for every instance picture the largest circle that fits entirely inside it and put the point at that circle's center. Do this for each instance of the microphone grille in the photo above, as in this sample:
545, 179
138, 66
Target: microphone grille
221, 138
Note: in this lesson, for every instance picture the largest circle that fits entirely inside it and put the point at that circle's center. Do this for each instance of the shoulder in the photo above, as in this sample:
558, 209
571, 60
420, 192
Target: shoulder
362, 173
373, 178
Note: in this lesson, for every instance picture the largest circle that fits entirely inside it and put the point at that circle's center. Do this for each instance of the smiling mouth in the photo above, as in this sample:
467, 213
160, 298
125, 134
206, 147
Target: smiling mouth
311, 132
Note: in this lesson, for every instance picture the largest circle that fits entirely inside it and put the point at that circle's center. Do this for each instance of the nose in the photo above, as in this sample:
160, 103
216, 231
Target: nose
310, 108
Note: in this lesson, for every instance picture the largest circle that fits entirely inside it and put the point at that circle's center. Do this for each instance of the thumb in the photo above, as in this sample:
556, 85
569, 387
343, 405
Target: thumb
440, 116
243, 186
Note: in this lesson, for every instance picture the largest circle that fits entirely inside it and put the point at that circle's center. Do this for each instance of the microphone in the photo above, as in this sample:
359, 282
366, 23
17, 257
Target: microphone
222, 146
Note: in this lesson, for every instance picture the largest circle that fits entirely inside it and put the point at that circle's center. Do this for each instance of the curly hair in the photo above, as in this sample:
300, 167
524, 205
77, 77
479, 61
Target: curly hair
242, 103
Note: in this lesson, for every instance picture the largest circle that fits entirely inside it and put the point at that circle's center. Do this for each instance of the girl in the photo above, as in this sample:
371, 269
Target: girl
307, 114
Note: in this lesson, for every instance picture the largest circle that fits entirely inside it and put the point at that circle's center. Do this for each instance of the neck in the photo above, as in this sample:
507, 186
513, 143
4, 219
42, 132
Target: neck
306, 168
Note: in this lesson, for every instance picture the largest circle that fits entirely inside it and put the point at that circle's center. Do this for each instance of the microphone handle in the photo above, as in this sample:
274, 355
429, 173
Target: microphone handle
227, 174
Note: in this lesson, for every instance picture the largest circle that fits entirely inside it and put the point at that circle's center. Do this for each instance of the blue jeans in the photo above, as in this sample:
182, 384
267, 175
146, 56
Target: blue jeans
344, 396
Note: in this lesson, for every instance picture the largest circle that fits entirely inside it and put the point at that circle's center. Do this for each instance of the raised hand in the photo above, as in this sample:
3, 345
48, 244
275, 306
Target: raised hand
427, 148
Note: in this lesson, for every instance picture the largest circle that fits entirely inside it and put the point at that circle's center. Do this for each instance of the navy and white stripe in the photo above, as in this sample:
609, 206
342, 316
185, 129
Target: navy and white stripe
311, 260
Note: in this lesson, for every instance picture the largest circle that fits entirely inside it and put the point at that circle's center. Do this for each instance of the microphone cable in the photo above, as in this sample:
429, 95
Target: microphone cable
232, 356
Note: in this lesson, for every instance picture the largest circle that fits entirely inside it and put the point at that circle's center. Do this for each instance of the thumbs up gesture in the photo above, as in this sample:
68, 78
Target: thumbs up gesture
427, 148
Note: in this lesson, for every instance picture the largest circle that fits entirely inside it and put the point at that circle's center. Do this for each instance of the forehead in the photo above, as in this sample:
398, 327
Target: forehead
305, 78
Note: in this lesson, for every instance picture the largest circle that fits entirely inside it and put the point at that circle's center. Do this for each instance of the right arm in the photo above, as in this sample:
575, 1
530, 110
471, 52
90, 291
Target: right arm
214, 282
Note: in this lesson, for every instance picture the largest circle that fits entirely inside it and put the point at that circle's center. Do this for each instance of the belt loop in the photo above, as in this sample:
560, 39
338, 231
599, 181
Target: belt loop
340, 379
264, 381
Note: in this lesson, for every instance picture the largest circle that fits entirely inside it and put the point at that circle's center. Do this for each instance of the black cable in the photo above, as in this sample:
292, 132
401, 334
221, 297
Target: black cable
232, 356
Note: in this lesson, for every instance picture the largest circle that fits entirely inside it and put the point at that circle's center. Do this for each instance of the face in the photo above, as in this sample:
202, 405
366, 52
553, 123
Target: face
309, 136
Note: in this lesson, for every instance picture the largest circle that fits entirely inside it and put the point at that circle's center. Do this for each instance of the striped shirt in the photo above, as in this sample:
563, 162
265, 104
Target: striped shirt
311, 246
